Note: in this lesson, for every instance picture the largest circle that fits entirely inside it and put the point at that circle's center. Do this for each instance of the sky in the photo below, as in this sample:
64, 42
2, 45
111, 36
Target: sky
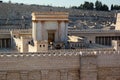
62, 3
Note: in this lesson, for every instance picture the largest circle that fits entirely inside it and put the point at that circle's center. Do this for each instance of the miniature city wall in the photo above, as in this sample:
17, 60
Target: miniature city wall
61, 65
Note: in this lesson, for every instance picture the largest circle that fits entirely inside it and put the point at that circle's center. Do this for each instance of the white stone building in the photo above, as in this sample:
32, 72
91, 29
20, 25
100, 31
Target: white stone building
47, 28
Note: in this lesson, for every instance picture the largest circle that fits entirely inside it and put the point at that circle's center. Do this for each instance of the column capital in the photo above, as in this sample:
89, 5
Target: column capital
59, 21
42, 21
35, 21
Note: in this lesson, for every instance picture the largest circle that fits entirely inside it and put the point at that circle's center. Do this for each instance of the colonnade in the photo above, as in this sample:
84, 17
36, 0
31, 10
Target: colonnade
106, 40
5, 43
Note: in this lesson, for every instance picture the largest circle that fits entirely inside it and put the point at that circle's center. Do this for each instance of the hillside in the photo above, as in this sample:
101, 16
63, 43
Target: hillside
19, 15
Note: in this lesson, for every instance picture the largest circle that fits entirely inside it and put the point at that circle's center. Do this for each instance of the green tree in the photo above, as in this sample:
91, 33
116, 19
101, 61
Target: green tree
80, 7
112, 7
74, 7
98, 5
104, 7
116, 7
91, 6
86, 6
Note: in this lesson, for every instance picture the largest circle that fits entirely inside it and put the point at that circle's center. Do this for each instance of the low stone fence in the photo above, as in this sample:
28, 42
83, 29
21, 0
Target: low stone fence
76, 52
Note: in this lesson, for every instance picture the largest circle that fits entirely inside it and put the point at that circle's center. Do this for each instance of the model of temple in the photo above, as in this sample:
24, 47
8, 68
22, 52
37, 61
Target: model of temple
53, 51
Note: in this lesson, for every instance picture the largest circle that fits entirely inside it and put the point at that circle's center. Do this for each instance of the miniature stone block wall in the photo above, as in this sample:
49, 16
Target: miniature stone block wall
92, 65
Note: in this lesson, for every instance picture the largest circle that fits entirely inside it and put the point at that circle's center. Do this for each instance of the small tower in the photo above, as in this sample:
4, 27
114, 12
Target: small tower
118, 22
116, 45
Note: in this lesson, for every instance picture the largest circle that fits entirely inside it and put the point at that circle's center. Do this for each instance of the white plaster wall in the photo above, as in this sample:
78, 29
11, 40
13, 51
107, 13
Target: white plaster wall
24, 44
32, 48
37, 47
114, 44
51, 25
18, 43
40, 30
43, 48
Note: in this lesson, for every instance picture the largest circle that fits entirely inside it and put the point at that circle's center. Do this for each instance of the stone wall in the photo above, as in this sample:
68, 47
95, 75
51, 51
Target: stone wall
39, 67
109, 66
93, 65
118, 22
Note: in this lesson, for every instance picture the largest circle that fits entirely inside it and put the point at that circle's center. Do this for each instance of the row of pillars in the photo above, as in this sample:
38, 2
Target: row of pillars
106, 40
5, 43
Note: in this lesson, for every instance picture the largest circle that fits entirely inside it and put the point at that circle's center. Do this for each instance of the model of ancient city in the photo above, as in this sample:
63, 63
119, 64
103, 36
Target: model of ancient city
53, 43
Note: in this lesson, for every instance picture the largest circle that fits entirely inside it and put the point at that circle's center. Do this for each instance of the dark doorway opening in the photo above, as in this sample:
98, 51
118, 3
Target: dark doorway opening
51, 37
90, 42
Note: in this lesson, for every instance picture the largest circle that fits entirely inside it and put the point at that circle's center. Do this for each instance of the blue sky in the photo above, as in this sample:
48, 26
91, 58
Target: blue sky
66, 3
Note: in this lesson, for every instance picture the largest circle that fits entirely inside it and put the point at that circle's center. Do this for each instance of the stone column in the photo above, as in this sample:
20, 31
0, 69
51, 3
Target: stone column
62, 31
12, 43
110, 40
39, 30
107, 40
24, 75
66, 31
42, 30
3, 75
44, 74
103, 40
97, 40
100, 39
64, 74
5, 43
9, 44
117, 38
59, 29
0, 43
34, 25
